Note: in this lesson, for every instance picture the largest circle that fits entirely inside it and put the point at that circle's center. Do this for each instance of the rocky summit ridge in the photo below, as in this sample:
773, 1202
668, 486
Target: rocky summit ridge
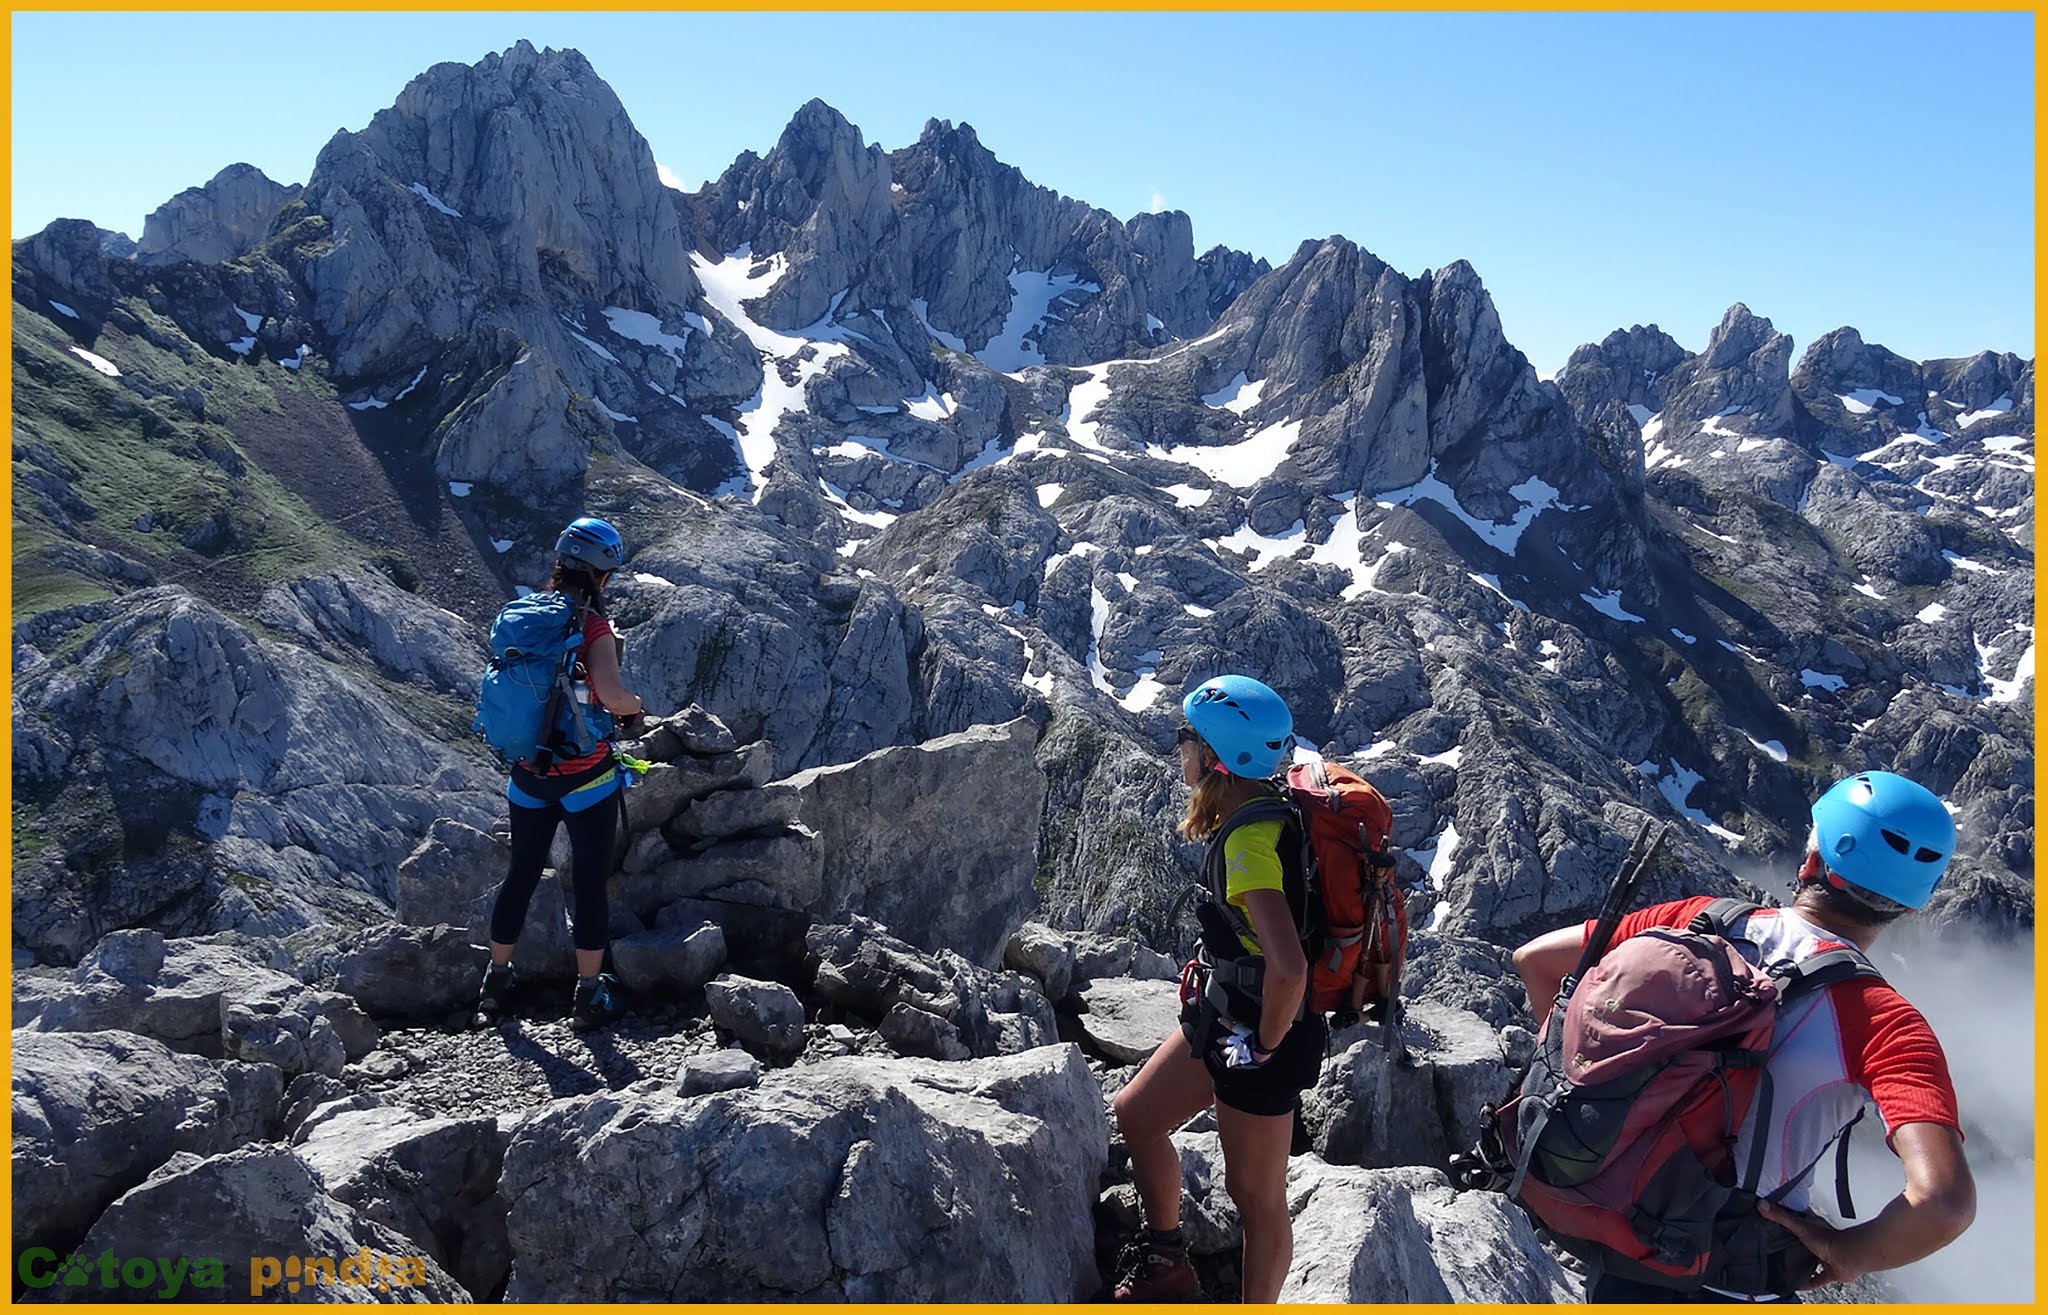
939, 489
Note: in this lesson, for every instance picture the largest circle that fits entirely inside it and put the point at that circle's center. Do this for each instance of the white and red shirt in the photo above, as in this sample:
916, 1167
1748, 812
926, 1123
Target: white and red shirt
1855, 1040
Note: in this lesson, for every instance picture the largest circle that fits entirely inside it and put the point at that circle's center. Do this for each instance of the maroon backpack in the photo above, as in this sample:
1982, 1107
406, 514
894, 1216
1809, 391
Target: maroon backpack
1622, 1134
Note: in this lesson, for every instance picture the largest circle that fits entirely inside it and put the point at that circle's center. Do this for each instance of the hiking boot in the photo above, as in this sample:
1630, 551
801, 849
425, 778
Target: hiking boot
1151, 1270
598, 1001
494, 997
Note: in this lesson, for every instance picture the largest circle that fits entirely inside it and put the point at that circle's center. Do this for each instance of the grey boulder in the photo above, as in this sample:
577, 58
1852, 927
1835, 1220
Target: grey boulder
408, 974
764, 1014
258, 1203
1039, 950
721, 1070
94, 1112
207, 998
434, 1180
1374, 1236
855, 1179
453, 876
912, 836
1375, 1110
677, 957
1125, 1020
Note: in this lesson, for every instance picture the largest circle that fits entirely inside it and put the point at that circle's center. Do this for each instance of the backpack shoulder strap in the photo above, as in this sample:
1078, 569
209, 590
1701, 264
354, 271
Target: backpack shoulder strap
1719, 916
1279, 808
1818, 971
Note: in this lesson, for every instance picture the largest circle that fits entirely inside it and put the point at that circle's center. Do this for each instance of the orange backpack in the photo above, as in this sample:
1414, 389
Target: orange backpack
1356, 933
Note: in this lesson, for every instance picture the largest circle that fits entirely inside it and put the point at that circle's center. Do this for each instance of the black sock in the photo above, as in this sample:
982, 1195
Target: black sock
1165, 1239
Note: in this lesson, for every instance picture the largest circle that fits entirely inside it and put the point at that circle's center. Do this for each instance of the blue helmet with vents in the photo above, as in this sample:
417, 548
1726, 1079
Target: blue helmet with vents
593, 543
1243, 721
1886, 834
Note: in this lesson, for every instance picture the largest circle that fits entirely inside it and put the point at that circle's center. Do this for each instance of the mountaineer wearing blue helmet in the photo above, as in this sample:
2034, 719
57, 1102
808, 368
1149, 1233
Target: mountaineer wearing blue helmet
1878, 846
566, 781
1253, 1060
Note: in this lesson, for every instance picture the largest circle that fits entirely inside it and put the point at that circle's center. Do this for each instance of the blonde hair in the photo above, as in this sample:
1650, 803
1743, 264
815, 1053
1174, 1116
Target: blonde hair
1205, 806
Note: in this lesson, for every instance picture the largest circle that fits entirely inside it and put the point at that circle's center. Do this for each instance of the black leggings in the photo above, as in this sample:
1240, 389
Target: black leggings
590, 843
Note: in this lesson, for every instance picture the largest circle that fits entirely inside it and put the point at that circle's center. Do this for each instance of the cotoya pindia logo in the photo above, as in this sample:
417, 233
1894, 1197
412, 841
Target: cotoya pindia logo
166, 1278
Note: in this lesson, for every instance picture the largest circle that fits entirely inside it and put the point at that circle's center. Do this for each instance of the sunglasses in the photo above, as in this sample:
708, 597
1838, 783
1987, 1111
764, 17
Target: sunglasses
1186, 735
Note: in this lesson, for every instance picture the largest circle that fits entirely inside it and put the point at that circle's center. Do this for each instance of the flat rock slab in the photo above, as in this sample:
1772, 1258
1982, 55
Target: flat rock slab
1126, 1020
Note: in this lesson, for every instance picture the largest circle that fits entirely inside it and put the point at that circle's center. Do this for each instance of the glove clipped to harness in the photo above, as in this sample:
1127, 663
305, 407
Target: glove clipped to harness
1240, 1048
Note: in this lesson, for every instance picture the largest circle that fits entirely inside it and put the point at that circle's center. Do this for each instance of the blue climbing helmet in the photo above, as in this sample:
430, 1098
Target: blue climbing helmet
592, 543
1885, 834
1243, 721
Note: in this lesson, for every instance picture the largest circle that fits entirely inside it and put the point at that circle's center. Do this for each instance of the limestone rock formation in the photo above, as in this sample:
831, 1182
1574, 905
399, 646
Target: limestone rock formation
220, 221
890, 1180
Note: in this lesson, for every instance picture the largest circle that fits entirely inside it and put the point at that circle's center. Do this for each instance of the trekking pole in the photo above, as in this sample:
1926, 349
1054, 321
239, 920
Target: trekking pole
1642, 851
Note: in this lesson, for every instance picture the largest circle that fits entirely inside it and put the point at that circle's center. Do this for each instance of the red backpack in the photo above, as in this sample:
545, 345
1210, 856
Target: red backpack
1622, 1135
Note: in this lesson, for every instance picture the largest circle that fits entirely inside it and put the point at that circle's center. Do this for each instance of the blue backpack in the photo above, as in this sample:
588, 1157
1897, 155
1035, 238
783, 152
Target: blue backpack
527, 706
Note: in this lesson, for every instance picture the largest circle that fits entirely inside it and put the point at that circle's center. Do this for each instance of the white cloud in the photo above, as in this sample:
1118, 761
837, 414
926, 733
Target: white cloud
1158, 200
668, 177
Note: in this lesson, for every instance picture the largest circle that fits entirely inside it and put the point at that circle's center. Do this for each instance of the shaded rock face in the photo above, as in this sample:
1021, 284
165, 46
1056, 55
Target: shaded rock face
264, 1201
894, 1180
938, 1005
95, 1112
865, 817
433, 1180
220, 221
244, 784
407, 974
1370, 1111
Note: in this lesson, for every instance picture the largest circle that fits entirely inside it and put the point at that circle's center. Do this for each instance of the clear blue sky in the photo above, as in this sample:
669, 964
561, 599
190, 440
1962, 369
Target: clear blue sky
1599, 170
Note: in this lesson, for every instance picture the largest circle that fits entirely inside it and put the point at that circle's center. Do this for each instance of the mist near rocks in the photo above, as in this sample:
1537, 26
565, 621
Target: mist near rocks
1979, 995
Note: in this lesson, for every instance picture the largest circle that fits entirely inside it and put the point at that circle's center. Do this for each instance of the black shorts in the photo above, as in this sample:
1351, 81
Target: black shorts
1274, 1087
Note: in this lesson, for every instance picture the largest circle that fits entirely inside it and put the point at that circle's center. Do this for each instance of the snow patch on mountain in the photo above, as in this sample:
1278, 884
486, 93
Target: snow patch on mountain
1608, 602
1237, 396
420, 190
1436, 862
1241, 464
1535, 495
645, 329
1997, 408
728, 284
1860, 401
1775, 748
96, 361
1033, 296
1677, 790
1493, 582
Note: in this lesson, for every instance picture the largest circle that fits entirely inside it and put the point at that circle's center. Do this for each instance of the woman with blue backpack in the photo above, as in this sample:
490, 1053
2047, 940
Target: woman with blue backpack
558, 649
1247, 1042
